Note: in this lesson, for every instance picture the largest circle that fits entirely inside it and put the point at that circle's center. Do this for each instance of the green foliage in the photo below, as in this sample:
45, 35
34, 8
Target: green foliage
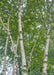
34, 15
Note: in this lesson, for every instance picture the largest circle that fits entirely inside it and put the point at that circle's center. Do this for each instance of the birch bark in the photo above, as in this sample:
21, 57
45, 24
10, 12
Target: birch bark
46, 52
21, 41
14, 50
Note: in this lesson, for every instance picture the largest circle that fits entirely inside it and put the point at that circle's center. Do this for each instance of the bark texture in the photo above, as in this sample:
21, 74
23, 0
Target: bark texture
46, 52
21, 41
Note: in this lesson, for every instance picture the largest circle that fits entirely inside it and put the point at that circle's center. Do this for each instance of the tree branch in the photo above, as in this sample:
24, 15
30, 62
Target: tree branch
7, 31
33, 48
3, 24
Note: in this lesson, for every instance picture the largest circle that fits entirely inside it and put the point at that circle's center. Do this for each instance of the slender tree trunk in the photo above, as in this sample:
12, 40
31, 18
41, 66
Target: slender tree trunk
17, 68
14, 66
46, 52
17, 65
11, 42
5, 54
16, 62
30, 57
21, 41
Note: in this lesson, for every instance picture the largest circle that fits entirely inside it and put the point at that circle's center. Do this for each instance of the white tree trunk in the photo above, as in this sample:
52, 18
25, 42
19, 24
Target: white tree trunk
14, 50
16, 62
5, 54
14, 66
17, 68
46, 52
21, 41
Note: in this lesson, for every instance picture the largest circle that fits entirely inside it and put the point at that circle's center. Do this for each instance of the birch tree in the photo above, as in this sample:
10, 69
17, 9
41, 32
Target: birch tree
21, 42
14, 49
46, 52
45, 64
5, 55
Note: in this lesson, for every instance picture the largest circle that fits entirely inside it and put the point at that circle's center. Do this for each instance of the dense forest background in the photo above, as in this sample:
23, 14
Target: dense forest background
26, 37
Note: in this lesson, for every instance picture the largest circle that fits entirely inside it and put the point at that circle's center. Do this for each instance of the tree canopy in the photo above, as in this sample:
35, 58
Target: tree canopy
29, 27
